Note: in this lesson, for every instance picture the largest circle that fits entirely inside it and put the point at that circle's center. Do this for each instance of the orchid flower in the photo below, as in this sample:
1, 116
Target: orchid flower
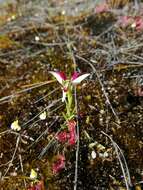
66, 83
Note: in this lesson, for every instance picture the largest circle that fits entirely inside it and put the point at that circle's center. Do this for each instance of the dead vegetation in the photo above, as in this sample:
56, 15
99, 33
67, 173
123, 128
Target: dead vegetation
36, 38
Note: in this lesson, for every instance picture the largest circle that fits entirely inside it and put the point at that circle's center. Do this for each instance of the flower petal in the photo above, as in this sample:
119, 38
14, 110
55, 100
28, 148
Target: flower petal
33, 174
60, 76
15, 126
79, 79
93, 154
42, 116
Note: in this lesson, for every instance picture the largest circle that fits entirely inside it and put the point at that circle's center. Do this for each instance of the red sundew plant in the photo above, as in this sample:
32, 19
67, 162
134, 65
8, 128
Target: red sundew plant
125, 21
70, 136
62, 136
59, 164
103, 7
72, 130
138, 23
138, 91
38, 186
130, 21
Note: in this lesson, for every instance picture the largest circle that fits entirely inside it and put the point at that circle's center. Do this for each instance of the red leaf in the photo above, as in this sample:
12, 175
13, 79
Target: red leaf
62, 136
59, 164
72, 132
139, 23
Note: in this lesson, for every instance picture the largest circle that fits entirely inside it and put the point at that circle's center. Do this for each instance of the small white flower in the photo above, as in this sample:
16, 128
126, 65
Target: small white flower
33, 174
15, 126
103, 155
37, 38
93, 154
43, 115
13, 17
133, 25
63, 12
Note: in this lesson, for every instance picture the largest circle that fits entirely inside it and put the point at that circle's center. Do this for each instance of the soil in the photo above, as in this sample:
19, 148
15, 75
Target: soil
41, 36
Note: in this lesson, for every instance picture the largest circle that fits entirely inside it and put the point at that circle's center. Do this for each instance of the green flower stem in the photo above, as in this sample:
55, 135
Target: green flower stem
69, 104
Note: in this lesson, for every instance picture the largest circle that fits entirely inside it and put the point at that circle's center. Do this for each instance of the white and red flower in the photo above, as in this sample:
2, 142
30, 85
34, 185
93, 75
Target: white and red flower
75, 79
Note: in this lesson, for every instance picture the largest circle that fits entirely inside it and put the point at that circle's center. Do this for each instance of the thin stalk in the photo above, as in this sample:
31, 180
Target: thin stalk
77, 144
77, 126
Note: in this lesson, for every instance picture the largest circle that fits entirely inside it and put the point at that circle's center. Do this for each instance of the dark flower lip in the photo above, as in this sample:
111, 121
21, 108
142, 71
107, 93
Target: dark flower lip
62, 75
75, 75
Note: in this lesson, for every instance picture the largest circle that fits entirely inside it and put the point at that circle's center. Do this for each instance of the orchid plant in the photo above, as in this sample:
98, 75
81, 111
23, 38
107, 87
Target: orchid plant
69, 135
